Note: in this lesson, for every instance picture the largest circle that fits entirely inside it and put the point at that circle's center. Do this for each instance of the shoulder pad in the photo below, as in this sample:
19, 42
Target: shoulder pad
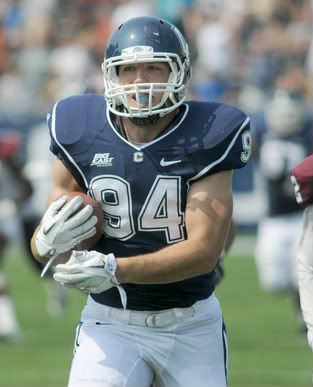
216, 120
227, 121
225, 135
75, 122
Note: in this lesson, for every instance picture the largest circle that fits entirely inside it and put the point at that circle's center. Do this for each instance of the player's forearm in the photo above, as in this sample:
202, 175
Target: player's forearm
192, 257
40, 258
174, 263
34, 250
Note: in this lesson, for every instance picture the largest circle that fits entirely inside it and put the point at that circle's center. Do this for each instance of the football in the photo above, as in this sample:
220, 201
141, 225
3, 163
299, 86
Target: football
98, 211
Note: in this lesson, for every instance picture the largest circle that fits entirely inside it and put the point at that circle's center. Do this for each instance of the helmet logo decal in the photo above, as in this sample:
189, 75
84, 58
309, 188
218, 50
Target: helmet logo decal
137, 50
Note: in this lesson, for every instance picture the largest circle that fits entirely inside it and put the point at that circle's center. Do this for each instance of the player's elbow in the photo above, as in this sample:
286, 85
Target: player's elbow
210, 255
212, 260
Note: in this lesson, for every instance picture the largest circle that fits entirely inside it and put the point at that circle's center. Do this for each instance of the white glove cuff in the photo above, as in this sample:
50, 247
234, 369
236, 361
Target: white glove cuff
44, 249
110, 265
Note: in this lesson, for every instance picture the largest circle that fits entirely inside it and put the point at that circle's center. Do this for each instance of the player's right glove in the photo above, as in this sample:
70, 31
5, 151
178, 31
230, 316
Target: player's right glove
64, 226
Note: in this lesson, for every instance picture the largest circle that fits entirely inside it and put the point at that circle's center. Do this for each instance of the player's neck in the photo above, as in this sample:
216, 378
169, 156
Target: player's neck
144, 134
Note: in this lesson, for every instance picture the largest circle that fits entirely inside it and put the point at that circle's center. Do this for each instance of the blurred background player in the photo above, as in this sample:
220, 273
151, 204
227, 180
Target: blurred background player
284, 145
20, 200
15, 190
302, 178
37, 171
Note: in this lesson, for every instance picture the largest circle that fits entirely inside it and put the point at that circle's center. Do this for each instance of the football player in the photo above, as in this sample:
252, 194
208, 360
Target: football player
161, 168
284, 145
302, 178
14, 192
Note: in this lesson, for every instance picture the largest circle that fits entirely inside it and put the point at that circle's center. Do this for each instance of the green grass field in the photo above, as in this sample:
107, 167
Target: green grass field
264, 346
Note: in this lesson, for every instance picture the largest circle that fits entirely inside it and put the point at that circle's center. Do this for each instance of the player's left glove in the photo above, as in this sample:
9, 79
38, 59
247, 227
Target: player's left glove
89, 271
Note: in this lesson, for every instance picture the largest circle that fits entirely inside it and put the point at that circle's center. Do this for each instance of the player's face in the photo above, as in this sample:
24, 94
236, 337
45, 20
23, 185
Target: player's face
139, 73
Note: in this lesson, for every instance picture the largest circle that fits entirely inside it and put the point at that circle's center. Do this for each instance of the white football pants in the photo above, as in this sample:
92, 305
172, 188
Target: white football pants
276, 251
183, 347
305, 271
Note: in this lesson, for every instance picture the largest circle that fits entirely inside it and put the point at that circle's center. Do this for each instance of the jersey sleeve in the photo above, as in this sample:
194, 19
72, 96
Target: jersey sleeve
223, 141
302, 179
235, 150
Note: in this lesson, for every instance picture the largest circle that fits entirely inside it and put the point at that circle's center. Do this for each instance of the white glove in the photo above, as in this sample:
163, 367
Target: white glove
64, 226
91, 272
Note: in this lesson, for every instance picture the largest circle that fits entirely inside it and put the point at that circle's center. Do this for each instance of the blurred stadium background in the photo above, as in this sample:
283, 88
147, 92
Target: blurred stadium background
243, 52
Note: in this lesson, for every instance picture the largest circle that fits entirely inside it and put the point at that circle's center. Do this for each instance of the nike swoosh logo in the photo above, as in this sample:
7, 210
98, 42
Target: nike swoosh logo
164, 163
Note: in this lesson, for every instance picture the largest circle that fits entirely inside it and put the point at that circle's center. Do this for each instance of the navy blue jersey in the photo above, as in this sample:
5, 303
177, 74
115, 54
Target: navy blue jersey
277, 157
143, 189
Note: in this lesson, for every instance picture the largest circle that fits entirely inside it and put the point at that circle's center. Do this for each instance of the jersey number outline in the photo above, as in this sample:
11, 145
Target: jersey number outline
246, 139
161, 210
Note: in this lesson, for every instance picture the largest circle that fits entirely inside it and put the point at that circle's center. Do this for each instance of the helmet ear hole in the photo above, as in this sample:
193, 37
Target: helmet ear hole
143, 40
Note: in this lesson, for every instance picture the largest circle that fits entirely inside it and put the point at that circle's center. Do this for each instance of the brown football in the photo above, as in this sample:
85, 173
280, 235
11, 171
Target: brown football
98, 211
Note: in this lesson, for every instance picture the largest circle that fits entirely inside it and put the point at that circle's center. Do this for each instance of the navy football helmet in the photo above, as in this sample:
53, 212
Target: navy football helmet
146, 39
